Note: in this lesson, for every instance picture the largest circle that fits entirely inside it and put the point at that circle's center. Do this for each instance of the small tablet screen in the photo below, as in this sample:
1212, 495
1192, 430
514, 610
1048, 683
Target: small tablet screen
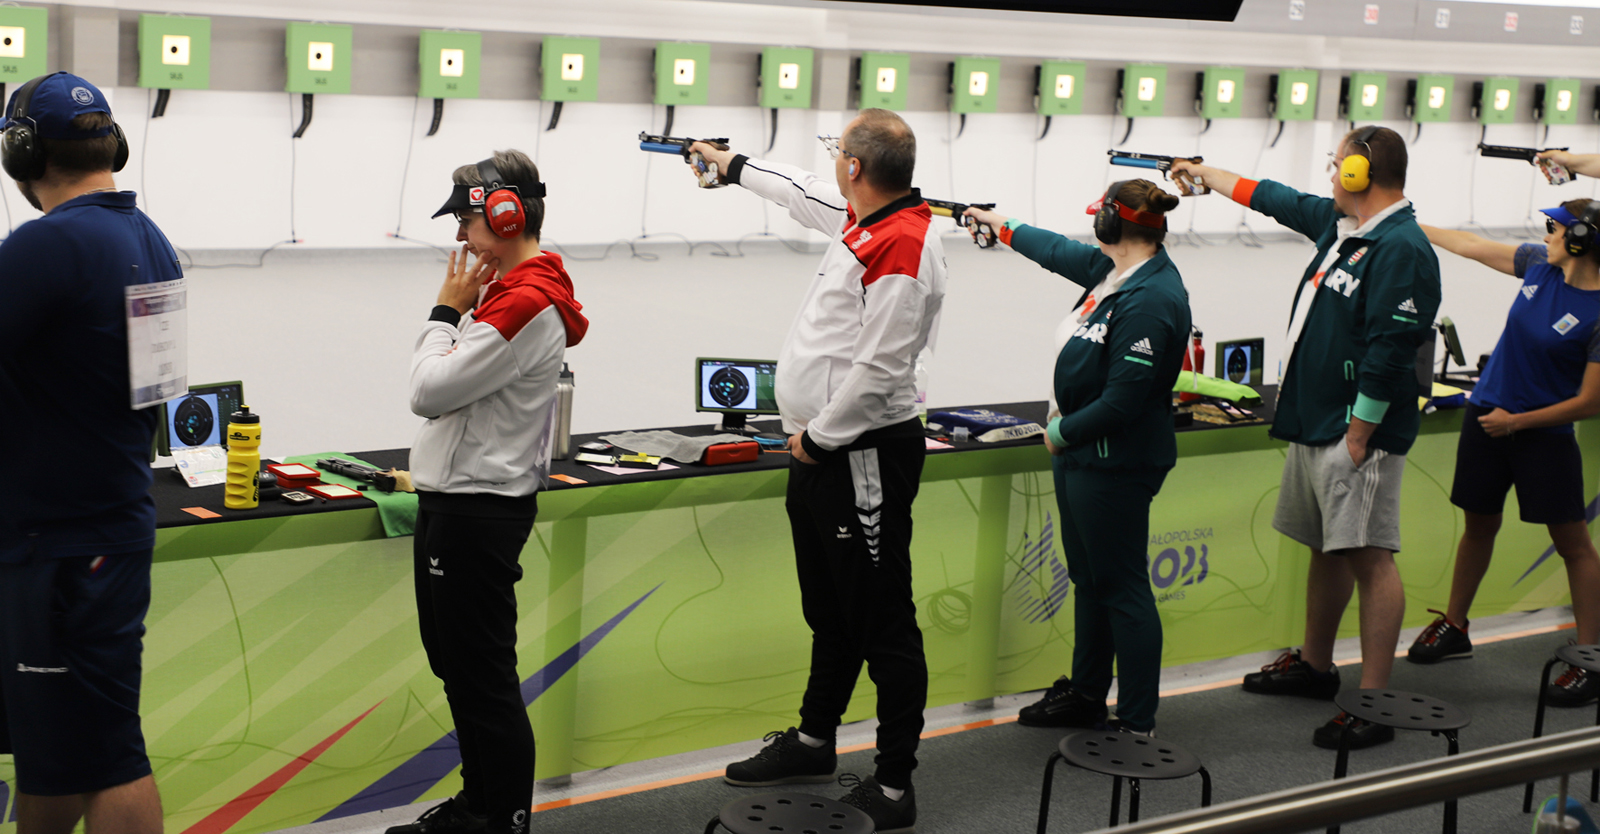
200, 417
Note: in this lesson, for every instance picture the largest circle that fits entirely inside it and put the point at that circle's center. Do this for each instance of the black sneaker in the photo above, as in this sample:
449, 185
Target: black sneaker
1442, 640
1574, 688
1117, 725
785, 760
1063, 706
889, 816
1363, 733
448, 817
1289, 675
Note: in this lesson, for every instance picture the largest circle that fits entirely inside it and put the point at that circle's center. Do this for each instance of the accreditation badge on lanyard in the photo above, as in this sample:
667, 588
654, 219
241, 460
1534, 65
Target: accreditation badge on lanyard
158, 341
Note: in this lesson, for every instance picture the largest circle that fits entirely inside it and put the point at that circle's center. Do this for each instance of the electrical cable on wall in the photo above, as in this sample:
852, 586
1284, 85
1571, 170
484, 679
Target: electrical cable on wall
1254, 241
144, 148
1191, 235
293, 238
438, 116
405, 174
305, 115
555, 116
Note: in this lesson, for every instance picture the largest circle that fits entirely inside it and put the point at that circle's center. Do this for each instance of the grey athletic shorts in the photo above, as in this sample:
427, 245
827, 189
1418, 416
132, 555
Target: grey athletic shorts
1327, 503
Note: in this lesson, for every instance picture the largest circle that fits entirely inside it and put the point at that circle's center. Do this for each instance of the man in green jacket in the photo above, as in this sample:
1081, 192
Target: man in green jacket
1347, 398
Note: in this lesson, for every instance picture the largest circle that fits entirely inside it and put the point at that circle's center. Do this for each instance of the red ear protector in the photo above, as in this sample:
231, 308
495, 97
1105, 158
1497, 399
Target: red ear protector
1581, 235
502, 204
21, 151
1109, 214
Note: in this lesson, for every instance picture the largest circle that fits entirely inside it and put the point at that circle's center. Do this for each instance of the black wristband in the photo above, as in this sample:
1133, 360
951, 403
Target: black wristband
731, 176
446, 314
816, 452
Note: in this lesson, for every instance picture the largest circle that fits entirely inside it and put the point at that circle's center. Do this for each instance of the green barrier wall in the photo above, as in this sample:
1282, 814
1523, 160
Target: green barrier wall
285, 682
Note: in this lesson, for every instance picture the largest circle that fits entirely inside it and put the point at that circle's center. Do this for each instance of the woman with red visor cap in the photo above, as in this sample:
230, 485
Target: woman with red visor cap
1544, 374
1111, 441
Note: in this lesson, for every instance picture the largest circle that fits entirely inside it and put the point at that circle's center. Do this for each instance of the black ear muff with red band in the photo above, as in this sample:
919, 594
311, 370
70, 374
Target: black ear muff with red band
1109, 213
502, 203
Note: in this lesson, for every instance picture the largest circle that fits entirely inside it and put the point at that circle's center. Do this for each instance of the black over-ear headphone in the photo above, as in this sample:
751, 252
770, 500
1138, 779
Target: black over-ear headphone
1108, 220
22, 154
1581, 235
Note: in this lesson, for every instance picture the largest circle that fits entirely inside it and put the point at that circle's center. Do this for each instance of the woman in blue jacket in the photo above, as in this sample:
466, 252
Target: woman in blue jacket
1111, 441
1544, 374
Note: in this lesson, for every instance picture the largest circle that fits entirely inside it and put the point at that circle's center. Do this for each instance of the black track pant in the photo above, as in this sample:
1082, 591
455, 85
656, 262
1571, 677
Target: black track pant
466, 565
851, 518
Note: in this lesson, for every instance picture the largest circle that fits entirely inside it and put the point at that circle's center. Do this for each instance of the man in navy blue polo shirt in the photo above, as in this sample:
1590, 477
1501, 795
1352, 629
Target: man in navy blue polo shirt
77, 526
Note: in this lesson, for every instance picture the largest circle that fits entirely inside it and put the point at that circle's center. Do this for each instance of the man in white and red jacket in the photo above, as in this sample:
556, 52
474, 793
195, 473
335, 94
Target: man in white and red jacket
846, 388
486, 381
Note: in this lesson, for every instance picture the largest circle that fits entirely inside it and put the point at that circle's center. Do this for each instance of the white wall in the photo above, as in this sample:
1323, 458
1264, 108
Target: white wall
232, 148
333, 319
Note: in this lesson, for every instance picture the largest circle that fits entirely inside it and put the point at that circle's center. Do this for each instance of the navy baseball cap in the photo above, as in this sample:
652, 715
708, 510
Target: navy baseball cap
1560, 215
54, 101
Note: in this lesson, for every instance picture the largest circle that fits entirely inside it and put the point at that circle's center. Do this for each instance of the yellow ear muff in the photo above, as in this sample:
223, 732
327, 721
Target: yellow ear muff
1355, 172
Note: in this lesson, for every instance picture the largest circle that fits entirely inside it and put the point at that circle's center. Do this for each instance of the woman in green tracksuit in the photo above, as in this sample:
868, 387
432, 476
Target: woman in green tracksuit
1111, 439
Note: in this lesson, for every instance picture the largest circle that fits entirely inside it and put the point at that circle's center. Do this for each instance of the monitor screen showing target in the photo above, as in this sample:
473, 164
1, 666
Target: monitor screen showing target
200, 417
743, 386
1241, 361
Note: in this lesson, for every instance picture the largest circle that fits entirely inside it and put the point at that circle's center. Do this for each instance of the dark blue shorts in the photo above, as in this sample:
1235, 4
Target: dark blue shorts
1545, 467
70, 640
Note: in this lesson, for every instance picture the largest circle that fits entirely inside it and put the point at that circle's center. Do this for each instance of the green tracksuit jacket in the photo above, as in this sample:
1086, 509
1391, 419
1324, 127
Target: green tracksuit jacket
1375, 307
1113, 380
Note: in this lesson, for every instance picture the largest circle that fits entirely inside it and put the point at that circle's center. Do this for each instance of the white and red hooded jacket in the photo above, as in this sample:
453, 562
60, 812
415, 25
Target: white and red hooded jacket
848, 365
487, 383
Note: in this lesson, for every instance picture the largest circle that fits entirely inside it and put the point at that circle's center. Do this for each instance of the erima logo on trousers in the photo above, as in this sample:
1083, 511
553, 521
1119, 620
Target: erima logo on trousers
46, 670
433, 567
844, 533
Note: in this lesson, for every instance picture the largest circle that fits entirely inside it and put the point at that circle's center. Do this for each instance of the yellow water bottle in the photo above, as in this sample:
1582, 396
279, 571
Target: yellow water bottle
244, 460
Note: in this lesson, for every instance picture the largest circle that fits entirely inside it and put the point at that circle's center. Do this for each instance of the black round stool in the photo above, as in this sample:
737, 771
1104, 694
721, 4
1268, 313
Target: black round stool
1586, 658
1123, 756
791, 813
1402, 711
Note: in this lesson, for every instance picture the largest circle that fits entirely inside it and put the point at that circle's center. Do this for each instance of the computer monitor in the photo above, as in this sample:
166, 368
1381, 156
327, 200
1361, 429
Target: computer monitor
1241, 361
199, 418
1452, 349
736, 388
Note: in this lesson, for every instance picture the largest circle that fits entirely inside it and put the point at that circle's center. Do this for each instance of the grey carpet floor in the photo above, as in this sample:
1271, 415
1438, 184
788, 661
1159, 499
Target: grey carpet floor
988, 779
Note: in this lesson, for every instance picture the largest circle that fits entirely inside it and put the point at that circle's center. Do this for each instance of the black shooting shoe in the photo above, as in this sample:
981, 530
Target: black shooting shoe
448, 817
785, 760
889, 816
1063, 706
1441, 640
1289, 675
1363, 733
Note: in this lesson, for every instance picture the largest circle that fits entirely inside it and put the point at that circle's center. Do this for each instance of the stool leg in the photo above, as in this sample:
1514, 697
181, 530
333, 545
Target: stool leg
1044, 795
1133, 801
1205, 788
1450, 804
1538, 728
1594, 778
712, 825
1341, 763
1116, 799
